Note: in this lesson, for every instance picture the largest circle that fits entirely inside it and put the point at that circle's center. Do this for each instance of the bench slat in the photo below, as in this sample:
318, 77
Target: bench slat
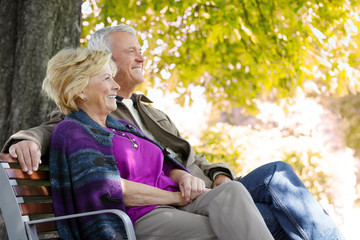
20, 175
46, 227
6, 158
36, 208
28, 209
31, 191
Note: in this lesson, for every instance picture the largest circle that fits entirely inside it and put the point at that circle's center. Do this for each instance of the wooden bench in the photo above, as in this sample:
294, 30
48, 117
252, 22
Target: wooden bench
26, 204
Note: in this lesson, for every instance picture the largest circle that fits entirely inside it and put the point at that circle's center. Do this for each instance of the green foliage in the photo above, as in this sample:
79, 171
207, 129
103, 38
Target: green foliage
239, 50
218, 146
307, 168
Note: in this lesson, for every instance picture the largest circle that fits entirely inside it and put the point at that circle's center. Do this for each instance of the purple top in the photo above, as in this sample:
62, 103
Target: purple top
144, 164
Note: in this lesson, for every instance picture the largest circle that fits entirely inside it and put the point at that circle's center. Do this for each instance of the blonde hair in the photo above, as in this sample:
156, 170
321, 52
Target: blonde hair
68, 74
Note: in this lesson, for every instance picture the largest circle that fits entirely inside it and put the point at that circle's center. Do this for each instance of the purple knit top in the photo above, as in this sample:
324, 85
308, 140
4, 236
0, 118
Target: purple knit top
144, 164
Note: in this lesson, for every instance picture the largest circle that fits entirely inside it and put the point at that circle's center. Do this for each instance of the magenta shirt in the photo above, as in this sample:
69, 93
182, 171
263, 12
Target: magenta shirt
144, 164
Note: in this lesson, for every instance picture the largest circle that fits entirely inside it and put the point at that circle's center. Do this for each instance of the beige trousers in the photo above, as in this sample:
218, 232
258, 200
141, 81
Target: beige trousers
226, 212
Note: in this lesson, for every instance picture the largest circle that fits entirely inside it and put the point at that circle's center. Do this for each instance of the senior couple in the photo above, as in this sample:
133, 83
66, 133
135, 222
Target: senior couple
114, 150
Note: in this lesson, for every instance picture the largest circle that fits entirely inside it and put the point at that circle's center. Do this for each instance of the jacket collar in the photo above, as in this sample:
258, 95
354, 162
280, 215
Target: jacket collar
136, 97
132, 98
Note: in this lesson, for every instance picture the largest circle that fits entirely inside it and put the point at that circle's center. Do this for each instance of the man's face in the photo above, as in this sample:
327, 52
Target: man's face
127, 55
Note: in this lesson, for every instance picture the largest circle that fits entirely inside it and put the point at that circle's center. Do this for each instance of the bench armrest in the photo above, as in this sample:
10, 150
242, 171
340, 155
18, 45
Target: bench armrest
31, 228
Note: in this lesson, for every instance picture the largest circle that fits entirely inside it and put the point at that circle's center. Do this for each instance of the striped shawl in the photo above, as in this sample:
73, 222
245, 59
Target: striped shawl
84, 176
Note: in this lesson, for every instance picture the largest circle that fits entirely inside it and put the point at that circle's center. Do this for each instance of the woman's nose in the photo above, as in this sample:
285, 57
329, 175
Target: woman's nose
116, 85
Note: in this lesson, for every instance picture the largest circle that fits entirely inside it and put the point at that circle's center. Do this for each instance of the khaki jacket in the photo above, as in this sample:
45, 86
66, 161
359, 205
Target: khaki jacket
157, 122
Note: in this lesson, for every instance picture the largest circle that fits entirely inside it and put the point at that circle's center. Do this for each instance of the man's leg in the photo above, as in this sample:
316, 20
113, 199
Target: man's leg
232, 213
271, 222
169, 223
296, 210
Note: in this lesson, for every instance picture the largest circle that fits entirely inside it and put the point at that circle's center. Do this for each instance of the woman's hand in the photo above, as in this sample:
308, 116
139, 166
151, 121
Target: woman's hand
190, 187
180, 201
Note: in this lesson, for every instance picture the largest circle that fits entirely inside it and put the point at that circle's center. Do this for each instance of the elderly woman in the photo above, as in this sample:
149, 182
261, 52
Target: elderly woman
97, 162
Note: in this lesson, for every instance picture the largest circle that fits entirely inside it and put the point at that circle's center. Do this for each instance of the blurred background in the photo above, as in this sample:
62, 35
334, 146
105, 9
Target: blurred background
250, 82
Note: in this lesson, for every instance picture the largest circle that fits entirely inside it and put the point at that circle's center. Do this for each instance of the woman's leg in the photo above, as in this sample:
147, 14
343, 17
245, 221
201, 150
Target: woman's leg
296, 210
169, 223
231, 212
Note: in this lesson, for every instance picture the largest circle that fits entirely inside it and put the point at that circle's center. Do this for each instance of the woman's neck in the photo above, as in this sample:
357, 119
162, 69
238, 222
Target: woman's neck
98, 118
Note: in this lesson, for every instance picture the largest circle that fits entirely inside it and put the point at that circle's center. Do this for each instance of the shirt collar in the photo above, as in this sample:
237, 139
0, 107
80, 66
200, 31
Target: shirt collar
132, 98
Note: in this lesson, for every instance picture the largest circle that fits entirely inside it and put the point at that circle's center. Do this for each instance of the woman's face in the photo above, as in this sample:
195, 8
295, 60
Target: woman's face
100, 93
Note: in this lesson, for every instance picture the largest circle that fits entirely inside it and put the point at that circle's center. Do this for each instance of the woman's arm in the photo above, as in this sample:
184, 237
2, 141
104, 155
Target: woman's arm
138, 194
191, 187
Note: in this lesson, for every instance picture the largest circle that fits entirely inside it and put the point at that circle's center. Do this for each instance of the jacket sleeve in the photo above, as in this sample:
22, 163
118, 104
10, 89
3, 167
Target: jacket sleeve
208, 169
40, 135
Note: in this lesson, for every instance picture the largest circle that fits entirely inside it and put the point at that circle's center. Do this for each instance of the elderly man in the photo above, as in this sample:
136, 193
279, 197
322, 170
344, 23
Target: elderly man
288, 208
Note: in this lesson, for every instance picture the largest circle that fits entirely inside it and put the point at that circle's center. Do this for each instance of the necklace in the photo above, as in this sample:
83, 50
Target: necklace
132, 140
125, 135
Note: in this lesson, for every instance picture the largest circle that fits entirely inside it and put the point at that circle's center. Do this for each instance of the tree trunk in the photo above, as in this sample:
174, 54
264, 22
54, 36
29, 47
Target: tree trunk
31, 32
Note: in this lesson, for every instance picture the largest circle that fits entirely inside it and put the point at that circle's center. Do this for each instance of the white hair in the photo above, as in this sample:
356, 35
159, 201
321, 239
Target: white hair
100, 39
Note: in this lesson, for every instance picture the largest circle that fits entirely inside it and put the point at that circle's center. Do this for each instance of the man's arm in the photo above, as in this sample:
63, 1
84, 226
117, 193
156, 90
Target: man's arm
219, 173
28, 145
212, 170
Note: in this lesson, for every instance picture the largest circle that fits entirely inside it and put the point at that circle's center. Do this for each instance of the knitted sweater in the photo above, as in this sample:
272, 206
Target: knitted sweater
84, 176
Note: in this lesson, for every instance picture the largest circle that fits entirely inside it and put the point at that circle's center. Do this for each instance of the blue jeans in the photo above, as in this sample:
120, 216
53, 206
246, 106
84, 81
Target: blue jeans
288, 208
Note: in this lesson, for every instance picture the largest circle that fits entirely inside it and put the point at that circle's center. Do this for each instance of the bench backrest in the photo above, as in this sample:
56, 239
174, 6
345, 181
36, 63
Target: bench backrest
25, 197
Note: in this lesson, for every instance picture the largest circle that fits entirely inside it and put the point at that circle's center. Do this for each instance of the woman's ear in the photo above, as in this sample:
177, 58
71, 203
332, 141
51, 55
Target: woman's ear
81, 96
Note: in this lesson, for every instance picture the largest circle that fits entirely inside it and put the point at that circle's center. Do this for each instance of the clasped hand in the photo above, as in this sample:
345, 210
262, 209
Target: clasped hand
191, 187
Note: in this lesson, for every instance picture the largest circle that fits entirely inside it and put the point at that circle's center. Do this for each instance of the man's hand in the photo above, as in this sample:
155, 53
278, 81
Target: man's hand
191, 187
28, 154
220, 179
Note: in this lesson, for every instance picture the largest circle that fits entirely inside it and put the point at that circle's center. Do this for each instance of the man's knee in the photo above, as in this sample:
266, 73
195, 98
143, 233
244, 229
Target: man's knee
280, 166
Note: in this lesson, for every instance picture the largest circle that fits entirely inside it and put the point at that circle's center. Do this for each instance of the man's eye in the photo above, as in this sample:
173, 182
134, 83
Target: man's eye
131, 51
